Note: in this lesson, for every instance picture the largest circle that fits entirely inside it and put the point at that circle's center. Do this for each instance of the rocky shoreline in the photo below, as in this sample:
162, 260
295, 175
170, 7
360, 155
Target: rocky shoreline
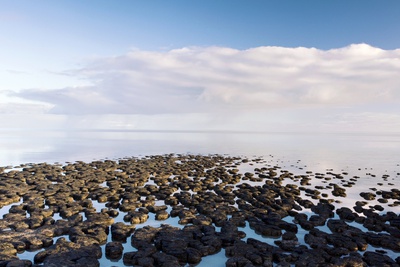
213, 200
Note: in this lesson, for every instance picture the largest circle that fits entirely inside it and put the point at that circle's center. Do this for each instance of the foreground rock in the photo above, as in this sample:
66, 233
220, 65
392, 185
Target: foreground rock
65, 253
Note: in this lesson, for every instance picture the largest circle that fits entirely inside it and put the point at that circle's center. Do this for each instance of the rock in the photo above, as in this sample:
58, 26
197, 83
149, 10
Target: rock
144, 236
338, 191
100, 219
165, 260
315, 241
120, 231
156, 209
88, 233
173, 241
242, 249
174, 246
346, 214
114, 250
33, 243
238, 261
202, 220
7, 249
367, 195
377, 259
316, 257
382, 200
186, 216
141, 257
145, 262
343, 242
70, 254
138, 217
229, 234
337, 226
6, 259
19, 263
193, 255
161, 215
112, 213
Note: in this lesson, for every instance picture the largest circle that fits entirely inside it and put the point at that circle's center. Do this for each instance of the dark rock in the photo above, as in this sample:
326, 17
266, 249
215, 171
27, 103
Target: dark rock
19, 263
315, 241
342, 241
174, 246
186, 216
316, 257
156, 209
213, 244
264, 229
338, 191
337, 226
193, 255
88, 233
5, 259
165, 260
120, 231
229, 234
114, 250
145, 262
202, 220
354, 261
377, 259
289, 236
141, 257
144, 236
238, 261
346, 214
70, 254
367, 195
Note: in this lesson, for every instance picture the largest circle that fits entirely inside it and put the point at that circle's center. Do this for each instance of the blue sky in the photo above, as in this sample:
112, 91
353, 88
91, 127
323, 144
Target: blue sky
108, 27
229, 65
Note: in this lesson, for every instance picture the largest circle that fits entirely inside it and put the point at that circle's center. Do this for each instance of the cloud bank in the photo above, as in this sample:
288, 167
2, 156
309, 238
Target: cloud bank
210, 79
354, 88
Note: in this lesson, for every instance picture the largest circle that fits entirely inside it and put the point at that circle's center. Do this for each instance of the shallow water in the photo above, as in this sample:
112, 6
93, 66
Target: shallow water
323, 150
367, 156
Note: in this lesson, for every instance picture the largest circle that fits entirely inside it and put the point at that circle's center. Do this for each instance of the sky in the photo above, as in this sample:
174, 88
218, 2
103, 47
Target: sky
226, 65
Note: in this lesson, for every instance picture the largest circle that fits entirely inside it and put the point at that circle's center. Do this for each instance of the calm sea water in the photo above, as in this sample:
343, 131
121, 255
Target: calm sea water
381, 152
357, 154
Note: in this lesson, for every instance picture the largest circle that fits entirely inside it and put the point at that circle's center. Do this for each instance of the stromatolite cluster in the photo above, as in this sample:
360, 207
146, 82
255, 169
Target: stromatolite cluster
51, 210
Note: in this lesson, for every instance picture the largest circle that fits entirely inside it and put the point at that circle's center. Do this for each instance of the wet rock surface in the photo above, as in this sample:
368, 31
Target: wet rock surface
50, 209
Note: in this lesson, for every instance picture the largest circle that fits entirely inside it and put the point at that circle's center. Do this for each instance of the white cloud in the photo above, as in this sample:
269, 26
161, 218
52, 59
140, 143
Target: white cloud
224, 87
197, 79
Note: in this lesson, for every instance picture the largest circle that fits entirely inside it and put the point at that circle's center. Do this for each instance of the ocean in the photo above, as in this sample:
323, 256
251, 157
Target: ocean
321, 150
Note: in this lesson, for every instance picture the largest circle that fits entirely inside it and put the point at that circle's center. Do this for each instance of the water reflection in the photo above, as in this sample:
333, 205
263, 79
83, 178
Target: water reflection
314, 150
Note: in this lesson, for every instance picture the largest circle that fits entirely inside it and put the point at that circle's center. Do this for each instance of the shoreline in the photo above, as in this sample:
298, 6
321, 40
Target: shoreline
215, 198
